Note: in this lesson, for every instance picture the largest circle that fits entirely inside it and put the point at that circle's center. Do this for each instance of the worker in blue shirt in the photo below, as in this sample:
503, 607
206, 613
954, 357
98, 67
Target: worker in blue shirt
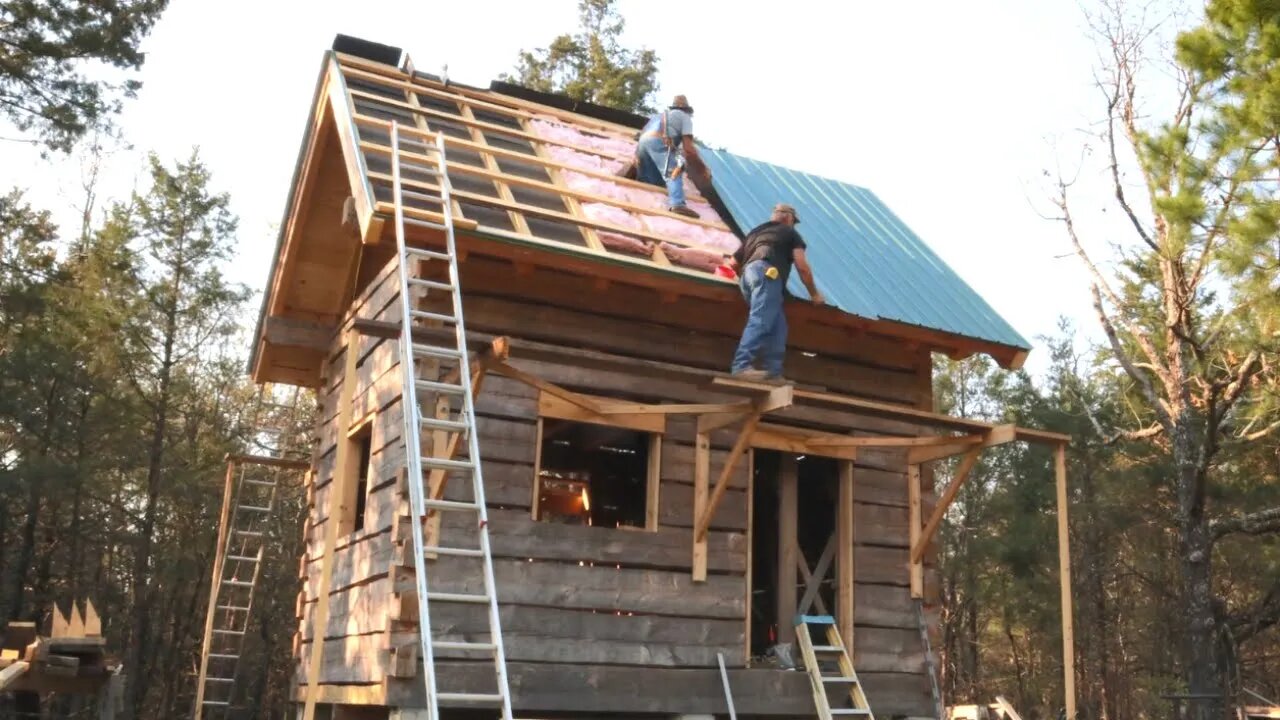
664, 148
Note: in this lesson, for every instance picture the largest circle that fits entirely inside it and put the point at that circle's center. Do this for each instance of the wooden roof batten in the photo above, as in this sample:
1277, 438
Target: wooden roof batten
335, 111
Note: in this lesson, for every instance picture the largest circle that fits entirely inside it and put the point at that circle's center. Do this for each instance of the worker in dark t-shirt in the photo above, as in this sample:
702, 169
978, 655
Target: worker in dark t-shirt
764, 264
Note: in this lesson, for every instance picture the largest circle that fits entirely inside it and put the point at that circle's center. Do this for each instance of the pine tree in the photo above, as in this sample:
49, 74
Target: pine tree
592, 65
44, 46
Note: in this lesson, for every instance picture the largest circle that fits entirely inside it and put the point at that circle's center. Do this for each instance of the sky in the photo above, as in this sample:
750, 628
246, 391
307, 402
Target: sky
957, 115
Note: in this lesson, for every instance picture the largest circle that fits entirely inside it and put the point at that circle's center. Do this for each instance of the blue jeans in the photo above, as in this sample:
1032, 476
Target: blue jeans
654, 164
765, 336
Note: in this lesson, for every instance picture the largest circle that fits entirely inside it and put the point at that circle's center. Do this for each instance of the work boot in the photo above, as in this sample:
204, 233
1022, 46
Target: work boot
750, 374
775, 380
684, 210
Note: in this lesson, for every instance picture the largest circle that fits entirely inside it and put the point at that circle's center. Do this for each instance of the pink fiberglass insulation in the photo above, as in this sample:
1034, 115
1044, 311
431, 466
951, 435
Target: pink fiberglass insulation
623, 243
601, 212
709, 239
654, 199
708, 244
691, 257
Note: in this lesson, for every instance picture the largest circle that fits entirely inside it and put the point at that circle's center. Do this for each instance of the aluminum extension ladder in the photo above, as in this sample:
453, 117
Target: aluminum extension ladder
931, 665
833, 656
445, 386
249, 504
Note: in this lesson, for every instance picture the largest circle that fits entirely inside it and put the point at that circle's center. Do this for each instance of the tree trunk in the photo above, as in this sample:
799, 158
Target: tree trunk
1196, 550
137, 682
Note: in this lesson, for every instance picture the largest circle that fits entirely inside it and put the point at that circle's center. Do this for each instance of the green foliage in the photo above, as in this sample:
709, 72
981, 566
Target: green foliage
592, 65
44, 47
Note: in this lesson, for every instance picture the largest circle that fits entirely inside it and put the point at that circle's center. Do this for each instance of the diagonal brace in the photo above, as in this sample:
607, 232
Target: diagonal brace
722, 483
948, 496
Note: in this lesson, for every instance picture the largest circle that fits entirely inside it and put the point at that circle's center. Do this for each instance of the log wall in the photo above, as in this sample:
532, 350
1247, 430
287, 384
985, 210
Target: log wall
588, 596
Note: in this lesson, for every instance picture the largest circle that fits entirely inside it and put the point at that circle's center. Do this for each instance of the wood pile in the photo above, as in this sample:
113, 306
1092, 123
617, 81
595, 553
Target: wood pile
73, 658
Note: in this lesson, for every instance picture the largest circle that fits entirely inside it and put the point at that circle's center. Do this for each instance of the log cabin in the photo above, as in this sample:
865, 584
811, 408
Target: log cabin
648, 516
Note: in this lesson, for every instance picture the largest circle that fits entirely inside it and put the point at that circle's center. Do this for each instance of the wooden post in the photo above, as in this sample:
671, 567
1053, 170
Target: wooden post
337, 508
845, 568
788, 511
1064, 584
701, 497
653, 483
916, 568
219, 557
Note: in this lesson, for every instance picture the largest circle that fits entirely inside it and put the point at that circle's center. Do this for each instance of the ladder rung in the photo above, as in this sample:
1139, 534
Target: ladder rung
840, 680
443, 464
431, 254
242, 558
828, 649
434, 351
442, 424
452, 645
221, 703
218, 679
433, 386
426, 224
456, 552
234, 608
468, 697
457, 597
450, 505
228, 632
224, 656
249, 533
237, 583
254, 508
263, 483
427, 315
431, 284
850, 711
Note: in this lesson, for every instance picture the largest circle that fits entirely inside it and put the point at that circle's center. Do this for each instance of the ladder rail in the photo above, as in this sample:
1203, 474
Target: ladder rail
232, 596
412, 437
414, 422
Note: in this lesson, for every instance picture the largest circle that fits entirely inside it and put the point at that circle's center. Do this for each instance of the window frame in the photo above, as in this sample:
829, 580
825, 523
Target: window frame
653, 425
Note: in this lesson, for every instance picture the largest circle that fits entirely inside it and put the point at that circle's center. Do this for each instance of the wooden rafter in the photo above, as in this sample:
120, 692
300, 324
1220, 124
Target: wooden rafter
998, 435
505, 369
892, 442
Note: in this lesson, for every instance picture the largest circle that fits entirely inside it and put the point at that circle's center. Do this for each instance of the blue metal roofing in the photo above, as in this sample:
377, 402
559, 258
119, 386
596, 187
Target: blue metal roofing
866, 261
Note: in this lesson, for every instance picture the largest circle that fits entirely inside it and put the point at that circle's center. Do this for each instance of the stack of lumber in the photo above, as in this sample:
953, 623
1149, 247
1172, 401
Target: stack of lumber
71, 659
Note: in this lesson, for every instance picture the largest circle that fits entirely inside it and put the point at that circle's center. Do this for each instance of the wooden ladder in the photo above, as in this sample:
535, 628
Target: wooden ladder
820, 660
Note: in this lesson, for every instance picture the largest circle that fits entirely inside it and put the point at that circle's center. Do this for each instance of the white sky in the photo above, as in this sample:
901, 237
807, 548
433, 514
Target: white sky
950, 112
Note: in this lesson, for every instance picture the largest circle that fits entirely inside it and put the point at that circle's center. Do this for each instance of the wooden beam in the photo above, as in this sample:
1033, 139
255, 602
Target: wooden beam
889, 442
998, 435
337, 509
788, 549
298, 333
507, 370
806, 577
554, 406
92, 622
268, 461
798, 441
1064, 583
916, 568
845, 568
653, 483
701, 499
813, 581
944, 503
722, 483
10, 675
714, 421
634, 408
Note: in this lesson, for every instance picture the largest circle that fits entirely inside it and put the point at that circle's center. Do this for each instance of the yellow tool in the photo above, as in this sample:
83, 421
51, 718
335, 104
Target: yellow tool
771, 273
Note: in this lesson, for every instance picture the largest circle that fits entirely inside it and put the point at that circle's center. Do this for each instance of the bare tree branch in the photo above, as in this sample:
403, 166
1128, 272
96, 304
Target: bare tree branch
1258, 523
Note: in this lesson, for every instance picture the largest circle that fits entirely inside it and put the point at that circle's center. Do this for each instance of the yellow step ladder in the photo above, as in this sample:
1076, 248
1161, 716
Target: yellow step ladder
829, 665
